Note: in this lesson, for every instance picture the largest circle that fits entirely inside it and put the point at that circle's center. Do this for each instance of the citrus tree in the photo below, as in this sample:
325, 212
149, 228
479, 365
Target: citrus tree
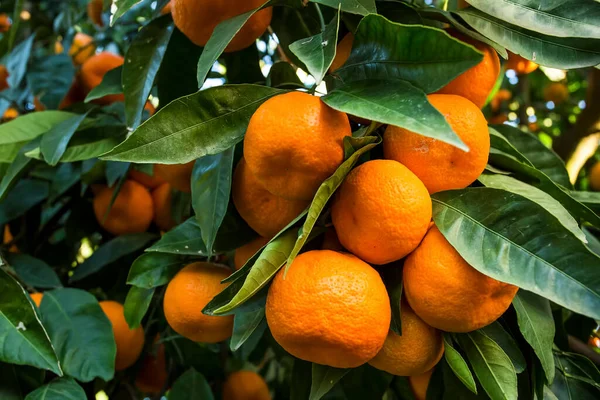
337, 199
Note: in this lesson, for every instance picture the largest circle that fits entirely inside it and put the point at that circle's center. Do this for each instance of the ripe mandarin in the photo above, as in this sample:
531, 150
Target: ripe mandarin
163, 216
520, 65
179, 176
93, 71
245, 385
82, 48
130, 342
243, 254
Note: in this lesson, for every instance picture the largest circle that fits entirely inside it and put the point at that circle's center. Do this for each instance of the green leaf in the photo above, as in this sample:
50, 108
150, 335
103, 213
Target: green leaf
142, 62
55, 141
392, 277
136, 305
151, 270
50, 77
58, 389
23, 339
589, 199
15, 170
67, 175
426, 57
458, 364
111, 84
360, 7
570, 18
492, 366
33, 271
110, 252
10, 386
211, 188
317, 52
120, 8
326, 190
536, 323
26, 194
496, 332
243, 66
551, 51
324, 379
365, 382
494, 231
206, 122
247, 320
16, 62
191, 385
272, 258
234, 232
393, 102
301, 380
184, 239
537, 196
576, 377
283, 75
541, 157
74, 320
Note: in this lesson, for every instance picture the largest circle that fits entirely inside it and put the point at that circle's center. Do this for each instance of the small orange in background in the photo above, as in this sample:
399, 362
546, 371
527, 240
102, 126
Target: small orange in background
150, 181
152, 375
132, 211
449, 294
130, 342
163, 216
166, 9
342, 52
419, 384
476, 83
520, 65
243, 254
8, 237
245, 385
594, 176
37, 298
39, 106
5, 23
58, 47
179, 176
3, 78
94, 11
499, 119
10, 114
187, 294
82, 48
556, 92
440, 165
331, 309
73, 96
150, 108
93, 71
501, 96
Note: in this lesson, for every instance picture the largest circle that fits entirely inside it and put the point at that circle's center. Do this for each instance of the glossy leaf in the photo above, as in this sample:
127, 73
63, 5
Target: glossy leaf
26, 194
571, 18
283, 75
492, 366
247, 320
74, 320
142, 62
534, 317
16, 169
458, 364
589, 199
110, 252
393, 102
184, 239
58, 389
550, 51
136, 305
111, 84
317, 52
16, 61
360, 7
33, 271
121, 7
191, 385
324, 379
23, 339
496, 332
154, 269
211, 188
426, 57
576, 377
494, 231
55, 141
50, 77
206, 122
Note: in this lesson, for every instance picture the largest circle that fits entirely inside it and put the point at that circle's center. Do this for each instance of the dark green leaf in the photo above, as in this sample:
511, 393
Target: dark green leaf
50, 77
534, 317
111, 84
110, 252
184, 239
458, 364
233, 233
301, 380
211, 187
492, 366
154, 269
206, 122
191, 385
575, 378
114, 172
426, 57
24, 339
494, 231
16, 169
392, 277
360, 7
589, 199
26, 194
324, 379
74, 320
54, 142
136, 305
496, 332
10, 386
283, 75
16, 63
393, 102
121, 7
365, 382
246, 321
33, 271
58, 389
67, 175
243, 66
142, 62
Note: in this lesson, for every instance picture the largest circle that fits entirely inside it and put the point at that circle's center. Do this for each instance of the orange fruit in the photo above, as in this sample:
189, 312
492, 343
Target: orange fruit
381, 211
5, 23
179, 176
74, 95
198, 18
594, 177
167, 8
264, 212
520, 65
499, 119
416, 351
10, 114
82, 48
94, 11
342, 52
556, 92
132, 211
37, 298
152, 375
293, 143
187, 294
94, 69
501, 96
440, 165
245, 385
419, 384
462, 4
8, 237
449, 294
331, 308
130, 342
39, 106
163, 218
476, 83
150, 108
331, 241
58, 47
243, 254
149, 181
3, 78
